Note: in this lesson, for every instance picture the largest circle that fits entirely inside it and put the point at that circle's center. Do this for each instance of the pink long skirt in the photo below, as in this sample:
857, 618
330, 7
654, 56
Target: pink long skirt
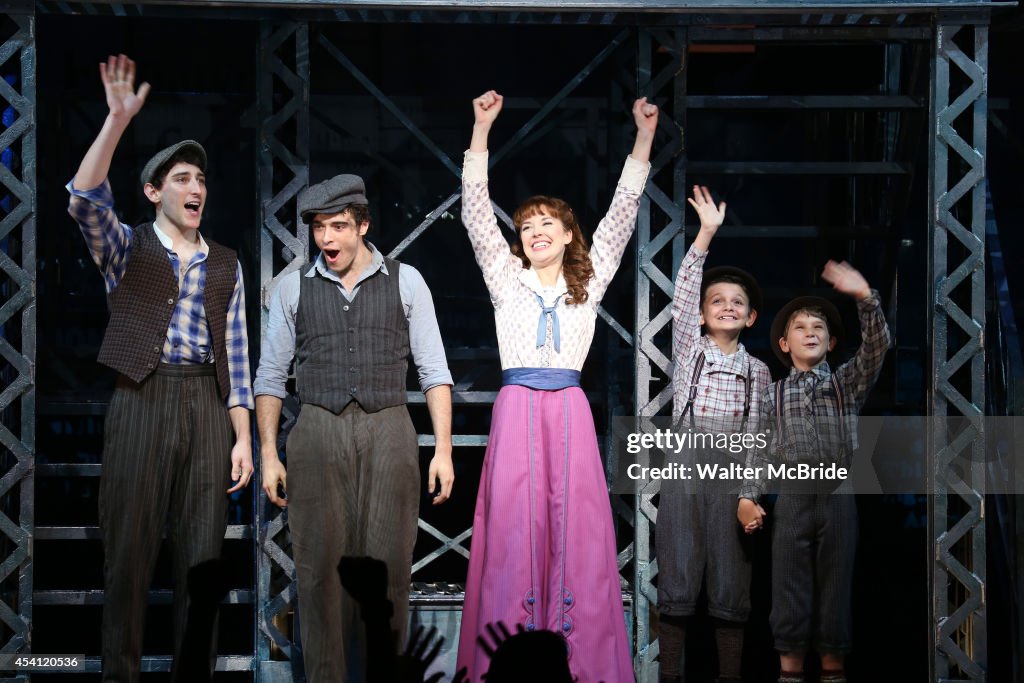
543, 552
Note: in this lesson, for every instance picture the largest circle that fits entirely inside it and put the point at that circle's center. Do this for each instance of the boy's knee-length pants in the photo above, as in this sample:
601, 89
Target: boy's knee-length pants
814, 541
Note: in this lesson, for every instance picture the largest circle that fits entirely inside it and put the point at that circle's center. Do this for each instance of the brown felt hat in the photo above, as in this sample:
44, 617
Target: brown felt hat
832, 318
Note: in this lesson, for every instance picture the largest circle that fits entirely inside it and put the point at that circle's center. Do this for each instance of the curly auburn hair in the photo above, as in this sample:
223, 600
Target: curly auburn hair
577, 268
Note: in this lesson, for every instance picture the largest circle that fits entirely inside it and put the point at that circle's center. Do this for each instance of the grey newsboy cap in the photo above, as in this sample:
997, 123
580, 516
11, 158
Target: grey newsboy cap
331, 196
164, 155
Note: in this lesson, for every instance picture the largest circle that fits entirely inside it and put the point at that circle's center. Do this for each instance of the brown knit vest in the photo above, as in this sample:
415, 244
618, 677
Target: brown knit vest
142, 304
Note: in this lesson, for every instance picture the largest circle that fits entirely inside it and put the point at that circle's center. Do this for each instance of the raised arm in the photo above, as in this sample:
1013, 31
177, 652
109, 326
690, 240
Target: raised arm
489, 246
645, 116
859, 374
613, 232
686, 297
485, 110
123, 103
92, 204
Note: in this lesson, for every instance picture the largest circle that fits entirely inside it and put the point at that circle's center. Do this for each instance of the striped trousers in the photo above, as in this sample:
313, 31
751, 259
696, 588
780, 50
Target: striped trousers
166, 464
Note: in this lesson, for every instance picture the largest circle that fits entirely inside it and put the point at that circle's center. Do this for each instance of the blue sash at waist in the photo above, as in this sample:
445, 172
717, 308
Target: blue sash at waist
546, 379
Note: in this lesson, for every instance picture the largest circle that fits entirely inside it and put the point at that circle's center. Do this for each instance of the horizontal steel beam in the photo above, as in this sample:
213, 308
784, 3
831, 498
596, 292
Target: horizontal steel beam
159, 596
234, 532
162, 663
813, 102
794, 231
584, 5
797, 167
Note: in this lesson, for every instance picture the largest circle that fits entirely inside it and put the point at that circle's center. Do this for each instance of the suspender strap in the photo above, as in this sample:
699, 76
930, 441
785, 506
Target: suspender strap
837, 396
778, 410
840, 409
698, 368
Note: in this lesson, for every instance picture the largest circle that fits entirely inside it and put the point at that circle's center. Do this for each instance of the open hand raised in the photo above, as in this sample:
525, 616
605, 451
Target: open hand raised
846, 279
118, 76
711, 217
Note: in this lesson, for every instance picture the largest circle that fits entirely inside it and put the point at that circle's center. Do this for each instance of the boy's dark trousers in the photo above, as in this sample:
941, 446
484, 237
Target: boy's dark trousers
814, 541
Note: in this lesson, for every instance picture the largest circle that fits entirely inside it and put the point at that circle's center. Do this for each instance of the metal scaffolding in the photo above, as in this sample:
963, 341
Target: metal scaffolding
290, 50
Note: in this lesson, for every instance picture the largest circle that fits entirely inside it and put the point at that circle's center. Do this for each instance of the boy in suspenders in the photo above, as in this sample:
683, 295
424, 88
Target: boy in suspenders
812, 414
717, 387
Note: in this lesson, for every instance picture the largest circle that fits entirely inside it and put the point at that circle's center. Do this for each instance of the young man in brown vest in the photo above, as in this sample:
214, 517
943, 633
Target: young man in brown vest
177, 338
350, 321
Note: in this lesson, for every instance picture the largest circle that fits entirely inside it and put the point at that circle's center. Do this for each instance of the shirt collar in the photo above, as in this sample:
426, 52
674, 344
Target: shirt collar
529, 277
818, 372
735, 363
168, 243
377, 264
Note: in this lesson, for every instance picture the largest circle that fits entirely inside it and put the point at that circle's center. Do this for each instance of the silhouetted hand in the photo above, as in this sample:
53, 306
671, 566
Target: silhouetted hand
414, 662
497, 637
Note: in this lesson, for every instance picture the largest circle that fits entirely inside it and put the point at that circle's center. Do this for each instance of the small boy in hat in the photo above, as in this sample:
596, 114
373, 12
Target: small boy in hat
812, 416
351, 321
717, 388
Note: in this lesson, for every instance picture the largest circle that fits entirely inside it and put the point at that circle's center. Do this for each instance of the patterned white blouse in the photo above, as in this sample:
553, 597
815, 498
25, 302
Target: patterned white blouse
514, 289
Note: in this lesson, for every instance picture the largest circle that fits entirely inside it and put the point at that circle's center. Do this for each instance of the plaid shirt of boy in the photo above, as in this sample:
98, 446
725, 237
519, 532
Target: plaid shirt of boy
722, 386
811, 431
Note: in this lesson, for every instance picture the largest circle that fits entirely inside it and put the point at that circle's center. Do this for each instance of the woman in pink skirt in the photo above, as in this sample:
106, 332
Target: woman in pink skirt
543, 552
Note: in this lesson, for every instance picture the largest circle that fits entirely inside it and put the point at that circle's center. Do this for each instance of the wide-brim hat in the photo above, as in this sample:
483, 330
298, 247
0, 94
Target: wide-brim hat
718, 273
332, 196
163, 156
832, 318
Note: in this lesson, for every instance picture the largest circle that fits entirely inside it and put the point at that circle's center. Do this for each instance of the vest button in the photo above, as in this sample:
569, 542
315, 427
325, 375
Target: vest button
352, 389
345, 307
170, 302
351, 349
156, 348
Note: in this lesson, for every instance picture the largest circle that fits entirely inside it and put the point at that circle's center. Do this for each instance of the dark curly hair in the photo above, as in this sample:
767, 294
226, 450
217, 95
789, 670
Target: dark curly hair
577, 268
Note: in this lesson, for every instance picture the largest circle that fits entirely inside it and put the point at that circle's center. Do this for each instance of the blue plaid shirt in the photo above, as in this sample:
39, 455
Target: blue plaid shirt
188, 335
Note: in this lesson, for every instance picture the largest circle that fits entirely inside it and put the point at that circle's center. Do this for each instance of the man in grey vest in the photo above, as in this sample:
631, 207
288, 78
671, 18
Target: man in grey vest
350, 321
177, 338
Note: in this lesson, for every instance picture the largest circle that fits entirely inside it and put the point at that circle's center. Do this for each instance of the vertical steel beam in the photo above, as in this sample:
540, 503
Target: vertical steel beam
653, 366
283, 171
957, 196
17, 326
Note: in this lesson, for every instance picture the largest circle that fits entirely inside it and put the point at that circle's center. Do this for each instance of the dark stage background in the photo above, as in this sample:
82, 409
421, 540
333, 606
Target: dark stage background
204, 77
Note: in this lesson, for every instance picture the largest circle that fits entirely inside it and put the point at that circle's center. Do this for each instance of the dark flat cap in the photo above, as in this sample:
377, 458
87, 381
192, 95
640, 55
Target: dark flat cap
832, 318
331, 196
164, 155
729, 273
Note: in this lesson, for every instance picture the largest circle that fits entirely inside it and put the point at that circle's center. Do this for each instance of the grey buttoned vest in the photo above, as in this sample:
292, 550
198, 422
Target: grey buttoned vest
352, 350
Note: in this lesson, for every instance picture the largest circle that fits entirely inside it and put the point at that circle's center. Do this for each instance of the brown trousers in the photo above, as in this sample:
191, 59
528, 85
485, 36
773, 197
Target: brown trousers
353, 490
